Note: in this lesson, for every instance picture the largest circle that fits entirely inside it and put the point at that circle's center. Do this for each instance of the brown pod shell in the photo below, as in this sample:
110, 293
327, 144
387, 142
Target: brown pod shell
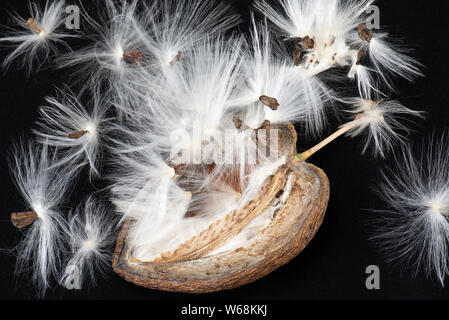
292, 228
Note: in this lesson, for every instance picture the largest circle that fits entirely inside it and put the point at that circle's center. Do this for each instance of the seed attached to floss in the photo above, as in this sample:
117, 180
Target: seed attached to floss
297, 55
176, 58
133, 56
77, 135
308, 42
270, 102
34, 25
237, 122
359, 57
365, 33
22, 220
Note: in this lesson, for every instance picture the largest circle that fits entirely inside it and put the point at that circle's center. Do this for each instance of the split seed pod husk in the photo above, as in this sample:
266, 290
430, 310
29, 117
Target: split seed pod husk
193, 268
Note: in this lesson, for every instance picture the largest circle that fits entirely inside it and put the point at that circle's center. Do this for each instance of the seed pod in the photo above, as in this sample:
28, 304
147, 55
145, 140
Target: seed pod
194, 268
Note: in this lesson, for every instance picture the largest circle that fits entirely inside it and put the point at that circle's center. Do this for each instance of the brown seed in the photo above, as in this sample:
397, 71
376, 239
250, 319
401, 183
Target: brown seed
265, 125
133, 56
34, 25
22, 220
269, 102
297, 55
176, 58
77, 135
365, 33
237, 122
359, 57
179, 169
308, 42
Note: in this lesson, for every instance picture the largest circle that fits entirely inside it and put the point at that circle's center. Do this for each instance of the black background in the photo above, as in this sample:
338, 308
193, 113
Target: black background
333, 265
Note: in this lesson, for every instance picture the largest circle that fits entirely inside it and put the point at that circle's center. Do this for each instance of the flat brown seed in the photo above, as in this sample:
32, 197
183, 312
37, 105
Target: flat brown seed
133, 56
365, 33
22, 220
176, 58
297, 55
265, 125
308, 42
34, 25
77, 135
359, 57
269, 102
179, 169
237, 122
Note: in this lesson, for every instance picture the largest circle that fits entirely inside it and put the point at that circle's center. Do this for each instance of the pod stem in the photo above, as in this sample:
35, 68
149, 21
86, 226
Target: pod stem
344, 129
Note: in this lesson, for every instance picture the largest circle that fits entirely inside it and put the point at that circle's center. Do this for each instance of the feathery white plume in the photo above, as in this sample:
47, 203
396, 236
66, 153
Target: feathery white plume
44, 187
274, 92
333, 33
323, 27
115, 49
37, 42
73, 129
415, 228
169, 29
91, 232
380, 121
388, 58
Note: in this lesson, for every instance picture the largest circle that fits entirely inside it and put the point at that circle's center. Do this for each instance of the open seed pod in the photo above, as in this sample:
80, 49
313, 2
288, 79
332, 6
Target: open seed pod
297, 195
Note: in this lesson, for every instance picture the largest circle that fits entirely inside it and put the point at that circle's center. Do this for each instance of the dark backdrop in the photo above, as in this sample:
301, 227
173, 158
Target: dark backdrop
333, 265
